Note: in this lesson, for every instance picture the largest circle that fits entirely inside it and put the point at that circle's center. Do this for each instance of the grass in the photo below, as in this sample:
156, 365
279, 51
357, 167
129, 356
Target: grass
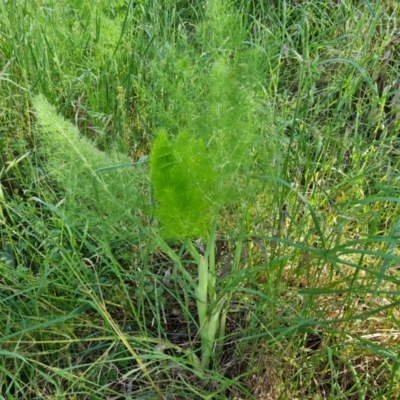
92, 303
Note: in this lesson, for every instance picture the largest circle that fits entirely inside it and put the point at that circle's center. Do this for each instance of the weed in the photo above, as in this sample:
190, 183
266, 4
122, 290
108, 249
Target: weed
281, 121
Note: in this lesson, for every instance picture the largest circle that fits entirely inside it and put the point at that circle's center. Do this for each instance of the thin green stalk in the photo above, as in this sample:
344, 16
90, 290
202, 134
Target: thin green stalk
201, 292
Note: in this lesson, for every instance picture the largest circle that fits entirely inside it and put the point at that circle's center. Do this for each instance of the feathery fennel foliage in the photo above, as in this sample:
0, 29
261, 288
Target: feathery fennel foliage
183, 179
100, 189
227, 128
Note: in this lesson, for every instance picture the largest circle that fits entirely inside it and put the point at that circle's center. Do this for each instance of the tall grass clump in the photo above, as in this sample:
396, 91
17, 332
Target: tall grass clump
82, 57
